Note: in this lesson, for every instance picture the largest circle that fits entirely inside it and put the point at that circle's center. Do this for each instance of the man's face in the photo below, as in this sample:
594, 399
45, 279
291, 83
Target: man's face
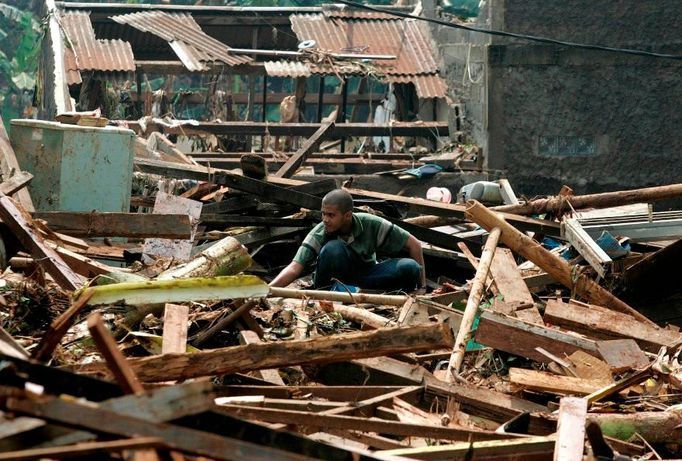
334, 220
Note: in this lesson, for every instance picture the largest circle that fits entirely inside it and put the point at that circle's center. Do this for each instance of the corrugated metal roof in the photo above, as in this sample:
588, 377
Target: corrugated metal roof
291, 69
190, 43
427, 86
402, 38
357, 14
84, 52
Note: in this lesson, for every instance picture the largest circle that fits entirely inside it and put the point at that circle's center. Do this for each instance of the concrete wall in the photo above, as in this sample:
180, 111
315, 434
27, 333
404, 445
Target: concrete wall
552, 115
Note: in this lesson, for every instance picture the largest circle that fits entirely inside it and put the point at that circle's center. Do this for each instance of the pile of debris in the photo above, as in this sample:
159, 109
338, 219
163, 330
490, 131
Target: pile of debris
526, 351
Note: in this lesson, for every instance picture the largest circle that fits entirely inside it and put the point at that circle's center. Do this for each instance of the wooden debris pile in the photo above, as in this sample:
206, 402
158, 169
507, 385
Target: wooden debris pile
517, 352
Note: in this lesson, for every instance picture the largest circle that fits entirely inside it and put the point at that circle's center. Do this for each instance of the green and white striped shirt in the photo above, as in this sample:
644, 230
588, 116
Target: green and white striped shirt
369, 234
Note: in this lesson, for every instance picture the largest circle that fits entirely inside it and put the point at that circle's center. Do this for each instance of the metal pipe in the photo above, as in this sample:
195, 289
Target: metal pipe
297, 54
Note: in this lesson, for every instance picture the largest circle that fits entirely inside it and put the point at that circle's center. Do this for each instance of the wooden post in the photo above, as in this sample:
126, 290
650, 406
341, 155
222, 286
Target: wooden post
570, 441
559, 269
477, 287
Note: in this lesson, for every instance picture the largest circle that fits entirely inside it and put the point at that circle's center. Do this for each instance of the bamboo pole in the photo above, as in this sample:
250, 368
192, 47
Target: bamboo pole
353, 298
556, 267
604, 200
474, 300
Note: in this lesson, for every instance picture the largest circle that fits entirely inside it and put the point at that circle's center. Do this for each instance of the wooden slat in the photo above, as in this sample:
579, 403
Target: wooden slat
269, 375
106, 224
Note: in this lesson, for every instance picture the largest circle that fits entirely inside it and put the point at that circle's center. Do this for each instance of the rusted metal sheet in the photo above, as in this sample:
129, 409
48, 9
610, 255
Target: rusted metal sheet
404, 39
84, 52
190, 43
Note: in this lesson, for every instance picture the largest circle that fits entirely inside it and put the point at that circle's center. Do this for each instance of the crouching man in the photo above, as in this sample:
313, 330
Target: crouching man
344, 247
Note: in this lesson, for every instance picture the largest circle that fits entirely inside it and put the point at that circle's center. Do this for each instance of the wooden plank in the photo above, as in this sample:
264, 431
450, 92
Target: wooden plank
368, 406
321, 165
508, 279
109, 224
175, 323
527, 448
21, 224
268, 191
570, 440
622, 354
335, 393
521, 338
84, 449
269, 375
83, 265
9, 167
317, 420
421, 129
124, 375
547, 382
334, 348
311, 144
602, 324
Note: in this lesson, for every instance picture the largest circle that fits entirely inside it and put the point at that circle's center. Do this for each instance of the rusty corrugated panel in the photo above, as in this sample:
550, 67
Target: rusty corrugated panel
85, 53
291, 69
355, 14
193, 45
401, 38
427, 86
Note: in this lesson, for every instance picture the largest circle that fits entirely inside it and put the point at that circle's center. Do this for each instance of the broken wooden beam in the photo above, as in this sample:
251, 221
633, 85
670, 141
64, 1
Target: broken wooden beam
508, 280
559, 269
175, 324
311, 144
251, 357
109, 224
21, 224
603, 200
599, 323
538, 447
269, 375
555, 384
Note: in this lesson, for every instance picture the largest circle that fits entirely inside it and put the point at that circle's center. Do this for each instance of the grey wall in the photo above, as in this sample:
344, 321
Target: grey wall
552, 115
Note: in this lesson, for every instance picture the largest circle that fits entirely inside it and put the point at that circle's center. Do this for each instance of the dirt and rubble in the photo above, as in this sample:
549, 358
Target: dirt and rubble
534, 339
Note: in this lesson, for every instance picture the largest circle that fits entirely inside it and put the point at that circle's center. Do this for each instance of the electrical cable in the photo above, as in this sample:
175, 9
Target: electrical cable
501, 33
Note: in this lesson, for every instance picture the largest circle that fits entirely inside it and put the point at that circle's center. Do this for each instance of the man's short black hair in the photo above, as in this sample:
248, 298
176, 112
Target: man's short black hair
340, 199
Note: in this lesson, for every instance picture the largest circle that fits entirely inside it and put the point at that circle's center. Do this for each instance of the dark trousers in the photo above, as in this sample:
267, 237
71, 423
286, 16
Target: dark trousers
336, 261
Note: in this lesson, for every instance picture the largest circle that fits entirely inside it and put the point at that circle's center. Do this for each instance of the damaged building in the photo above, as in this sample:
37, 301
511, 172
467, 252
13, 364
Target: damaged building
166, 218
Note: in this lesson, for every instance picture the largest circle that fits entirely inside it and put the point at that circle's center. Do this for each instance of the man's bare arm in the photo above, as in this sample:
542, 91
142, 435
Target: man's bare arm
288, 275
414, 247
